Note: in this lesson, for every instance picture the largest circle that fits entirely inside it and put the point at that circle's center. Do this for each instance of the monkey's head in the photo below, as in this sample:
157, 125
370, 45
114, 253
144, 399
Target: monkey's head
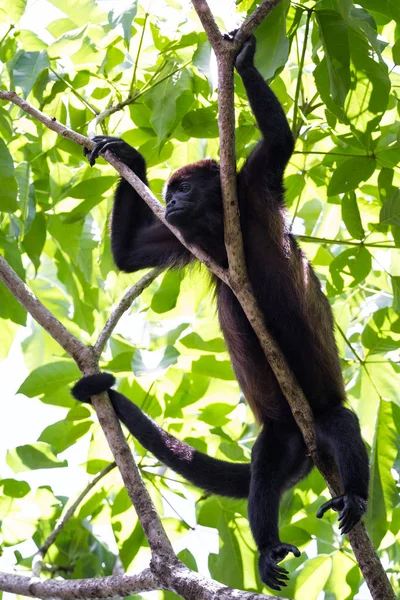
193, 199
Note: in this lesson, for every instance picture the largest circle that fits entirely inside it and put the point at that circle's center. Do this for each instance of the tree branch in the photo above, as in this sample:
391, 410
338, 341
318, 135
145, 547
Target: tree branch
363, 548
103, 587
37, 561
87, 361
123, 306
173, 576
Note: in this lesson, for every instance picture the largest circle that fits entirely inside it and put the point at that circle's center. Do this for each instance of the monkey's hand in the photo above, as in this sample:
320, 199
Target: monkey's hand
272, 575
245, 57
128, 155
91, 385
350, 508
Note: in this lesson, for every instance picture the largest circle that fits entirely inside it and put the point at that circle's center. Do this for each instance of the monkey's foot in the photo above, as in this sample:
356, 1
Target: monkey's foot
350, 508
272, 575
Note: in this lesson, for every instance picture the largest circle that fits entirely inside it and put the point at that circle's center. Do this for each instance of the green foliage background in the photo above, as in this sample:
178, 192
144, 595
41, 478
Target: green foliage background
335, 66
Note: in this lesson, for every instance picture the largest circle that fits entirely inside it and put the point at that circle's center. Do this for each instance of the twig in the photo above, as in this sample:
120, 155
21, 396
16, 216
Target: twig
37, 561
131, 99
255, 19
299, 76
122, 306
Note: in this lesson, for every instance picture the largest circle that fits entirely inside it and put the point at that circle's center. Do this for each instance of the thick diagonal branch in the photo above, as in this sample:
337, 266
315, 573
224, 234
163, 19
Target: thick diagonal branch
366, 555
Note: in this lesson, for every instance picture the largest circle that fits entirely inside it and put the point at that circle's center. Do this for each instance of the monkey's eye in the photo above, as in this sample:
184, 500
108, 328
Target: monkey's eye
168, 197
184, 187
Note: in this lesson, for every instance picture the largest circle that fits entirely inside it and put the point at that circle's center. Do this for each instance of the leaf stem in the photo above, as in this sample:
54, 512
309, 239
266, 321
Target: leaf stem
299, 76
133, 82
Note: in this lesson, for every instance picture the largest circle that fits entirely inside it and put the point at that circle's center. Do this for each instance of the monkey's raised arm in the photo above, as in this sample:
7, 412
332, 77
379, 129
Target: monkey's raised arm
213, 475
138, 239
277, 136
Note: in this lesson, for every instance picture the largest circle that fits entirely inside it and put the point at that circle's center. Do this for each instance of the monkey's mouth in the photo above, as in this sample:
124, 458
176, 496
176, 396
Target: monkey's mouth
173, 214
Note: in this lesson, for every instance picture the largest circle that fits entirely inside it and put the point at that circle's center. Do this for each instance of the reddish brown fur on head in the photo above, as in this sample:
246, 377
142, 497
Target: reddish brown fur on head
193, 168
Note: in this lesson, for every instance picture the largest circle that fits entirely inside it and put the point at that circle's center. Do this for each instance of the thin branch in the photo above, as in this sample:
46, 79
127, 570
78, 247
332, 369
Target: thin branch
299, 76
37, 561
133, 82
102, 587
254, 20
76, 94
121, 105
41, 314
123, 306
209, 25
317, 240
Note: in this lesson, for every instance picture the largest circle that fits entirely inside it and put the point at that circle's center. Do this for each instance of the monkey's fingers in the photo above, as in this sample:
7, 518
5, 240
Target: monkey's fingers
336, 504
283, 550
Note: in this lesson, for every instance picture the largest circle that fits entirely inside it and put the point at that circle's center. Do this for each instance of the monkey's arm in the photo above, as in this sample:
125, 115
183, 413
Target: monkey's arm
213, 475
138, 239
277, 141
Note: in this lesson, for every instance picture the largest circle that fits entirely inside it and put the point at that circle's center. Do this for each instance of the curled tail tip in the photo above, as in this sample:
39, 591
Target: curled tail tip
91, 385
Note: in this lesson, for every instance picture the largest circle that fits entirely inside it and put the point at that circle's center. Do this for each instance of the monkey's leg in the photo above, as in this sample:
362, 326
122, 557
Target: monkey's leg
278, 461
338, 432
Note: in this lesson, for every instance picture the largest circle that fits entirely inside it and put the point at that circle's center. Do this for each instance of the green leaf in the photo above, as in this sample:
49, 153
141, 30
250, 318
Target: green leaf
35, 239
351, 216
396, 52
63, 434
167, 294
390, 212
33, 456
14, 8
227, 565
348, 174
312, 578
22, 175
162, 100
8, 198
201, 123
383, 493
215, 414
28, 68
272, 42
195, 342
10, 308
396, 293
81, 12
15, 488
94, 186
49, 378
125, 19
354, 262
210, 366
334, 36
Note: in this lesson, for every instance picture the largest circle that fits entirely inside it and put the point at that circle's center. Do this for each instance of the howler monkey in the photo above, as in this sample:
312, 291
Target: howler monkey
295, 310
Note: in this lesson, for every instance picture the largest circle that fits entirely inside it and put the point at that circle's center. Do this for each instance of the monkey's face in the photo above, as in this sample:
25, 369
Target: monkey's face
193, 200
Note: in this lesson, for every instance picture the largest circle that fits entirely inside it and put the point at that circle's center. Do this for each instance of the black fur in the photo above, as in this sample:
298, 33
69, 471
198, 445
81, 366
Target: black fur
210, 474
295, 311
